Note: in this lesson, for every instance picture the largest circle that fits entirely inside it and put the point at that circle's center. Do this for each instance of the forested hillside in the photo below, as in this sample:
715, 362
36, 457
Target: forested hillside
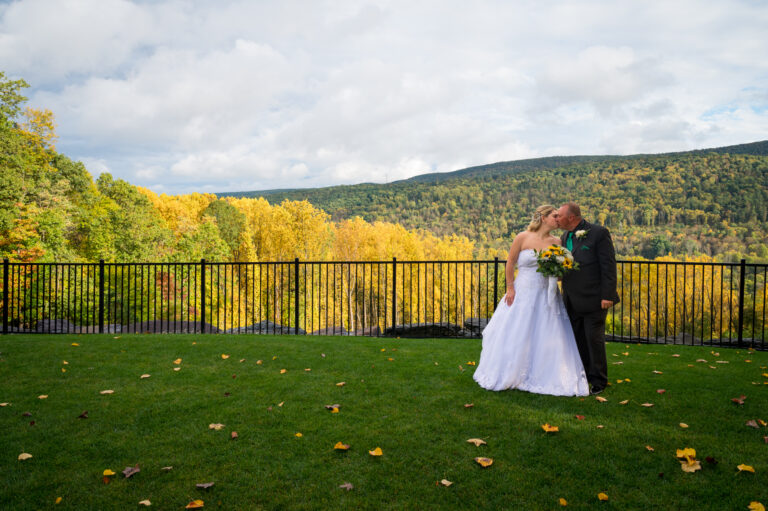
712, 202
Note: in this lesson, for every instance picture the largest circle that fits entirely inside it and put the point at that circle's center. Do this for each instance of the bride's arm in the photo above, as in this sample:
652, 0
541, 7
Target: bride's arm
509, 270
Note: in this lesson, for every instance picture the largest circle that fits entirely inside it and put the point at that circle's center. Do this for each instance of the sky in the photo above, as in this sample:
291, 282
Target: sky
184, 96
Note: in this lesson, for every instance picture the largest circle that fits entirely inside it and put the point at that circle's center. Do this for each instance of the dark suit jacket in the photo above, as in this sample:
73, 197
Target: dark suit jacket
595, 280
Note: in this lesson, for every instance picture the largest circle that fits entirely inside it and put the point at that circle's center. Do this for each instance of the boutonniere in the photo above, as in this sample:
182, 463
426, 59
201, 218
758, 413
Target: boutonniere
581, 233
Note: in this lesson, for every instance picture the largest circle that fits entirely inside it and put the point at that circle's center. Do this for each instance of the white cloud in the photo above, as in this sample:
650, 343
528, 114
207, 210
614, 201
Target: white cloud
186, 96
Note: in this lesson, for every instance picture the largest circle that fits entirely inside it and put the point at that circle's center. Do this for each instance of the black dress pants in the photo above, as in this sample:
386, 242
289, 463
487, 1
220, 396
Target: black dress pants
589, 330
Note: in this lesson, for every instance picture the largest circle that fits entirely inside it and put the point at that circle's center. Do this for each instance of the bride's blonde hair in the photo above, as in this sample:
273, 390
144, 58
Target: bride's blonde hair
540, 213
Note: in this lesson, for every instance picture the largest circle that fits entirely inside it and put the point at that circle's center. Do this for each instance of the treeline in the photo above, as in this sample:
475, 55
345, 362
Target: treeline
51, 209
713, 203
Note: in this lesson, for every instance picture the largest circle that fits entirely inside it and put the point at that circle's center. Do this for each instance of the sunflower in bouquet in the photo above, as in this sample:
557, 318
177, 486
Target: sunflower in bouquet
555, 261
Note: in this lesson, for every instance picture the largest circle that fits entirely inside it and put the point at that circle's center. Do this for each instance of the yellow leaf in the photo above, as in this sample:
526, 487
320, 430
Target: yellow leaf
550, 429
107, 392
274, 358
446, 482
601, 399
144, 376
762, 422
58, 500
281, 403
376, 452
341, 384
383, 349
195, 504
341, 446
745, 468
65, 362
108, 472
75, 344
562, 502
648, 447
224, 356
43, 396
691, 466
259, 362
217, 426
177, 361
477, 441
24, 456
145, 502
683, 425
299, 435
602, 496
307, 369
688, 452
624, 402
756, 506
627, 380
484, 462
63, 370
657, 372
283, 371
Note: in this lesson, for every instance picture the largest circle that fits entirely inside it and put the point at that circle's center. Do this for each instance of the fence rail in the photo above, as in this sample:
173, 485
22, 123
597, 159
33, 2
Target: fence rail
722, 304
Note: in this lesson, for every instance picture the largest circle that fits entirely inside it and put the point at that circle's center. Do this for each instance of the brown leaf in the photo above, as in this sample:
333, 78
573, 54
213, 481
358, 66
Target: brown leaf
477, 441
469, 405
446, 482
233, 435
346, 486
752, 424
83, 415
660, 391
341, 384
624, 402
195, 504
24, 456
27, 414
601, 399
710, 460
204, 486
580, 417
649, 448
739, 400
657, 372
129, 471
484, 462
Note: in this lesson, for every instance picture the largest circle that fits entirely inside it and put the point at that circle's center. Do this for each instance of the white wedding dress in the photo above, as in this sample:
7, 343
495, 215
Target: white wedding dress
530, 345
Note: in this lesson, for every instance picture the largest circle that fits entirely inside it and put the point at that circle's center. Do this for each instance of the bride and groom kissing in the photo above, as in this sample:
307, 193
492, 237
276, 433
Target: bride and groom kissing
557, 346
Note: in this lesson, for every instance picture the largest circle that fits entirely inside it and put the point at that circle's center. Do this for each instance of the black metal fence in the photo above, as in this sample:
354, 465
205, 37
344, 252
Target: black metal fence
693, 303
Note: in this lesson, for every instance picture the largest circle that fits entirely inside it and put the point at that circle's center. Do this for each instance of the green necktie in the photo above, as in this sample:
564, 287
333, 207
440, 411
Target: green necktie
569, 241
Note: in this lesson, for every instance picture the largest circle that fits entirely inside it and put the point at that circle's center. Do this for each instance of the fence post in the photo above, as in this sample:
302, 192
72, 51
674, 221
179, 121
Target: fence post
202, 296
101, 296
742, 274
495, 281
296, 294
394, 295
5, 295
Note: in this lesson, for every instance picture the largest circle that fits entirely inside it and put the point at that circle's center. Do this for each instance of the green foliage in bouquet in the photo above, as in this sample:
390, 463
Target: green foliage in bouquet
555, 261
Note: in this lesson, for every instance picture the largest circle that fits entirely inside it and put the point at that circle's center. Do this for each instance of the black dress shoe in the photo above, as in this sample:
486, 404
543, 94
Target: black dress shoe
596, 390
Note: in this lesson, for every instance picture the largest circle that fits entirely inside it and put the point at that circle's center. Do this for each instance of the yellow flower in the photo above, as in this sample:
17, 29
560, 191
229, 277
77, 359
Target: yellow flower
567, 264
546, 253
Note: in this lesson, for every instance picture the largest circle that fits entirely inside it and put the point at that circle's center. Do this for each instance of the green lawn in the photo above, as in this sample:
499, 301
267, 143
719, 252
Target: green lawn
411, 406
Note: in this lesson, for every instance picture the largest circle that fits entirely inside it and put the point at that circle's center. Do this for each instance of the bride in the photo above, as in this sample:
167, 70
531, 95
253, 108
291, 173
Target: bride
528, 344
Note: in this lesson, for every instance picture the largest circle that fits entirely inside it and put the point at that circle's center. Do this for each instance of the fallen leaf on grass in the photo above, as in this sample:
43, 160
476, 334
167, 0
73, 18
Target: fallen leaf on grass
83, 415
484, 462
739, 400
233, 435
710, 460
701, 360
445, 482
145, 502
177, 368
298, 435
341, 384
346, 486
5, 404
307, 369
550, 429
688, 461
177, 361
658, 372
469, 405
477, 441
26, 414
42, 396
745, 468
765, 439
204, 486
755, 506
195, 504
144, 376
167, 469
649, 448
341, 446
280, 404
676, 355
75, 344
58, 500
24, 456
562, 502
660, 391
217, 426
602, 496
130, 471
376, 452
601, 399
684, 425
647, 405
110, 391
624, 402
259, 362
333, 407
618, 363
752, 424
579, 417
242, 360
108, 472
600, 426
224, 356
283, 371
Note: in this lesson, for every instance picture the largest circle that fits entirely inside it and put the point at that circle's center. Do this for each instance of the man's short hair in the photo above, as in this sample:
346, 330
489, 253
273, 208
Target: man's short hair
573, 209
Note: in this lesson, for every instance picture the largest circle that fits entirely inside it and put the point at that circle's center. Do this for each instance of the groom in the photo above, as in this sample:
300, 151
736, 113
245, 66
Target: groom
589, 291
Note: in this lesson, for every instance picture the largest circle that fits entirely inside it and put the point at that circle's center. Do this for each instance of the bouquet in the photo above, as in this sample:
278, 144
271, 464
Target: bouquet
555, 261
